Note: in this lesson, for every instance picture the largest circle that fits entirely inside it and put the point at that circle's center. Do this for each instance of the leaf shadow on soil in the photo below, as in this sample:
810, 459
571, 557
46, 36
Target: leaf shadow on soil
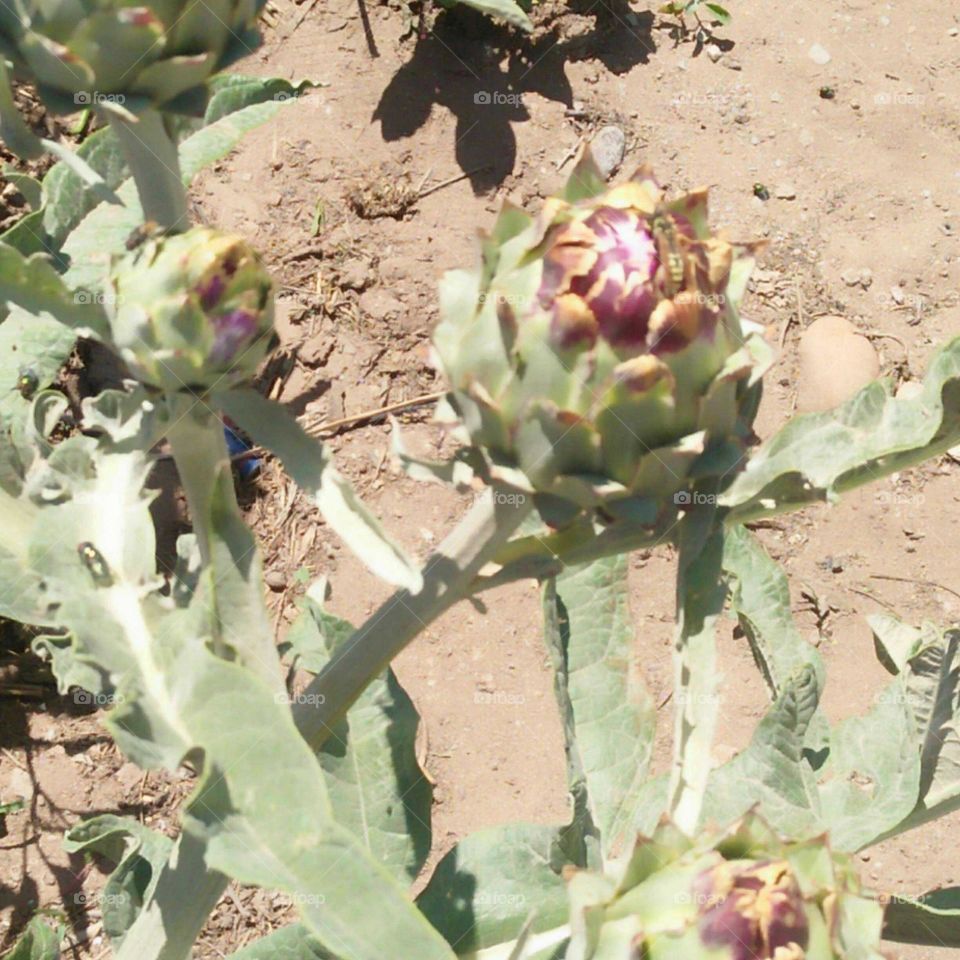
482, 72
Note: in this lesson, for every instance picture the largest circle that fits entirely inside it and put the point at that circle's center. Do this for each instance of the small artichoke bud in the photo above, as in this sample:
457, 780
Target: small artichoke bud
152, 54
601, 341
191, 311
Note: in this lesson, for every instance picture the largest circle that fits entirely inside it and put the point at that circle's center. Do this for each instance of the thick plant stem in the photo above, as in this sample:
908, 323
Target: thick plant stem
447, 578
173, 917
700, 597
200, 452
151, 154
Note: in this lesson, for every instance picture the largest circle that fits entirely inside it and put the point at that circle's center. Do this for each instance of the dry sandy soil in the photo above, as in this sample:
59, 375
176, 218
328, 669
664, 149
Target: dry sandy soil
865, 196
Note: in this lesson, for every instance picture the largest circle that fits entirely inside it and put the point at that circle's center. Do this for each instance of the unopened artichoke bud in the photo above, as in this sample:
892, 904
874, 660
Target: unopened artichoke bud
149, 53
742, 894
191, 311
598, 351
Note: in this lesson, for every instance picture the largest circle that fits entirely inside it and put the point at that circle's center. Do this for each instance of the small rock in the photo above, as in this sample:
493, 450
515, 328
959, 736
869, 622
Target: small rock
775, 97
355, 275
819, 54
128, 775
835, 362
897, 295
866, 278
378, 304
785, 191
731, 63
713, 52
276, 580
608, 148
851, 277
953, 32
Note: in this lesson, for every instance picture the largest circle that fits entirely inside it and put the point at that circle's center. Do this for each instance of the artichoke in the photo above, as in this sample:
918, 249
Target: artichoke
80, 52
597, 353
191, 311
740, 894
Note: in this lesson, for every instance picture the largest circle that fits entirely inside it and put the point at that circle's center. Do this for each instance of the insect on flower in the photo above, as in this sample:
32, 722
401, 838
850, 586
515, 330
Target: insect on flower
93, 560
27, 384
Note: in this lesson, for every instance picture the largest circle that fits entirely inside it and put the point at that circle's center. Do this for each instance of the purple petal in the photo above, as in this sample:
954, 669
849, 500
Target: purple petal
232, 331
211, 291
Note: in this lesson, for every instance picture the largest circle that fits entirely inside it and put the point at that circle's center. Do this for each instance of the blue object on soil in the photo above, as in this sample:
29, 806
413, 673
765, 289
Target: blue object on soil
248, 467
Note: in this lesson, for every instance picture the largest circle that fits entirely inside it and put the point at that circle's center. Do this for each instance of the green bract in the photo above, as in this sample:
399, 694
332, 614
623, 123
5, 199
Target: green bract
741, 894
598, 352
193, 310
83, 52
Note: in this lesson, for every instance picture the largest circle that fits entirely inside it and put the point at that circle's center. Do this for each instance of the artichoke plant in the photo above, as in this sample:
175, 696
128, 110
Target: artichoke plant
739, 894
139, 54
191, 310
597, 353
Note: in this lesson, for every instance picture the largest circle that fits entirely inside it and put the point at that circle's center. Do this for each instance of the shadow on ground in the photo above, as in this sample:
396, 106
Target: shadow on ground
482, 72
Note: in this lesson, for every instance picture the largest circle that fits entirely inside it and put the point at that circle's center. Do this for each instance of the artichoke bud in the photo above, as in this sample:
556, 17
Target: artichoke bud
191, 310
739, 894
595, 336
158, 53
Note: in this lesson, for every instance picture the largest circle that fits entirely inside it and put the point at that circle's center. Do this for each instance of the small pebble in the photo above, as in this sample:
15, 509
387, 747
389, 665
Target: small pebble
785, 191
819, 54
276, 580
608, 148
953, 32
714, 52
897, 295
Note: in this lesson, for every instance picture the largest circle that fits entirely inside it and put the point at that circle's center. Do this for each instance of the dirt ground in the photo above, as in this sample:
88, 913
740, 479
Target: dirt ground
846, 112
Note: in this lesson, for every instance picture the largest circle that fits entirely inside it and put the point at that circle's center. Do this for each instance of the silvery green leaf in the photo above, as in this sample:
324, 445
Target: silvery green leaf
311, 468
609, 716
817, 456
137, 853
772, 770
374, 781
871, 779
483, 891
502, 10
931, 920
292, 942
39, 941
